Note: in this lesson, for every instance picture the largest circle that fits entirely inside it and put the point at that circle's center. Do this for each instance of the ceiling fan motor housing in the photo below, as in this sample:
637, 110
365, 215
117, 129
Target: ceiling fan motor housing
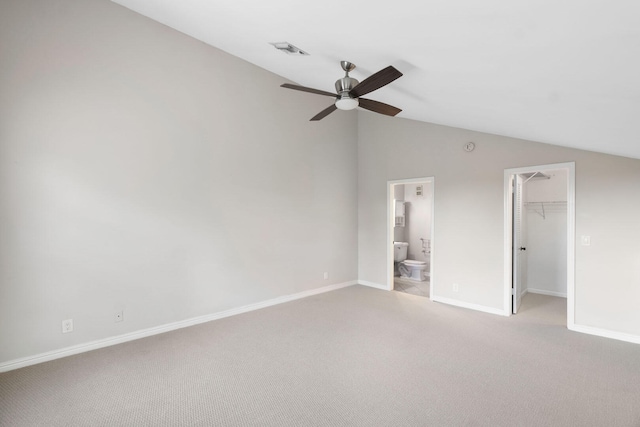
345, 84
346, 101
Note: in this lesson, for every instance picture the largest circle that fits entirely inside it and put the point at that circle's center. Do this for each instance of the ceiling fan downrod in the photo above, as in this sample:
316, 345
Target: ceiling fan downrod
344, 86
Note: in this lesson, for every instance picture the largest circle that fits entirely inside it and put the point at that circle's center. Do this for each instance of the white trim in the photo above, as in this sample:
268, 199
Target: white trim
106, 342
373, 285
390, 248
508, 244
571, 244
571, 222
621, 336
471, 306
544, 292
431, 181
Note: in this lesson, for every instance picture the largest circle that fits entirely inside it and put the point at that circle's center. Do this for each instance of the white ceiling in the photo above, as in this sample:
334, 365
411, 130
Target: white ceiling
561, 72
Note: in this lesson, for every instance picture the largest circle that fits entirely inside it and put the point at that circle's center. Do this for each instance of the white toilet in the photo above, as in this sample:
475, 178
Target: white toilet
410, 269
416, 270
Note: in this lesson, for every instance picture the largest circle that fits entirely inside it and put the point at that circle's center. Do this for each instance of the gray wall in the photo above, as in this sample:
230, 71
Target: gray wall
141, 170
144, 171
469, 214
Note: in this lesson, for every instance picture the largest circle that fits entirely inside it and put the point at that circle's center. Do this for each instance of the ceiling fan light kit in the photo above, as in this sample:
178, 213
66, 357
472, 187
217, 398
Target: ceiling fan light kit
346, 103
349, 91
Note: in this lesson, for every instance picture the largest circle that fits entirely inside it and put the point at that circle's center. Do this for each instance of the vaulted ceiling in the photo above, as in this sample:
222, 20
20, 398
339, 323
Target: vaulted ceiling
559, 72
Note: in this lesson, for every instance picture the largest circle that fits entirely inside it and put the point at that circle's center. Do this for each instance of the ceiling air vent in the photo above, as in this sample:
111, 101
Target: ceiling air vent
288, 48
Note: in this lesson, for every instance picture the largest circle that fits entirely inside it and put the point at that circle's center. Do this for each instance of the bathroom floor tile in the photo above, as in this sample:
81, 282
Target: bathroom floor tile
411, 287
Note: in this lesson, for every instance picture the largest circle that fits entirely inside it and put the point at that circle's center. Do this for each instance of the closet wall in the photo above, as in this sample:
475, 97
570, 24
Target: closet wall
546, 206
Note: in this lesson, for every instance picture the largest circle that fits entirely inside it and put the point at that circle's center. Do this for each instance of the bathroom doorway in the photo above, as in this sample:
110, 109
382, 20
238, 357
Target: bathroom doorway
539, 235
410, 240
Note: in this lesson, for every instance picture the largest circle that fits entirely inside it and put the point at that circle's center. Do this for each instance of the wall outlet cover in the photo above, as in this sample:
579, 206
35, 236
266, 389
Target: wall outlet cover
67, 326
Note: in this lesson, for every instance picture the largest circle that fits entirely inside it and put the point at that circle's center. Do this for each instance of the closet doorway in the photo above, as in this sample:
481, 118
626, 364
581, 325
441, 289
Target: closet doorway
539, 234
410, 239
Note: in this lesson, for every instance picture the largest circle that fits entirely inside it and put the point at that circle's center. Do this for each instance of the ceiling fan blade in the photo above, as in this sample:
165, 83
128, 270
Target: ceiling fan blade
324, 113
378, 107
308, 89
375, 81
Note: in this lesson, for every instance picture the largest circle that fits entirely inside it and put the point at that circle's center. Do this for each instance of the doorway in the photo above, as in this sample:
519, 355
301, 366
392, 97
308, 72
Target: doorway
539, 234
410, 231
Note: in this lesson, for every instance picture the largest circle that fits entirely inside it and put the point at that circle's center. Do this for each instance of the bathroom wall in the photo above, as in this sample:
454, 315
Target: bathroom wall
418, 220
399, 232
547, 234
144, 171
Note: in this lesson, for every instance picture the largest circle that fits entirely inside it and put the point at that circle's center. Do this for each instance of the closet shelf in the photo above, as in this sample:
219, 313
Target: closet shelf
542, 208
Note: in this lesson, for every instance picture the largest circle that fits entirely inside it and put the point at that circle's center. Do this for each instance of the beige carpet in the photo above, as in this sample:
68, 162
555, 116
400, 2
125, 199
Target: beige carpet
353, 357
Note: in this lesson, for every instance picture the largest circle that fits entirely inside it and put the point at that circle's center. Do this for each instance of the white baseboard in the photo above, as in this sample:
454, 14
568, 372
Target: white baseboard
621, 336
471, 306
94, 345
544, 292
373, 285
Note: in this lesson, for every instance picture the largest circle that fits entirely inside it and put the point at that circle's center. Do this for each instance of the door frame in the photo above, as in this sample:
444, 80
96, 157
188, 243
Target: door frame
427, 181
517, 189
570, 167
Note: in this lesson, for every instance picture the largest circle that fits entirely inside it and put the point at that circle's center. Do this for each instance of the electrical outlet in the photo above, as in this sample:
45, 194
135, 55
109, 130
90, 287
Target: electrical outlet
456, 287
326, 275
120, 316
67, 326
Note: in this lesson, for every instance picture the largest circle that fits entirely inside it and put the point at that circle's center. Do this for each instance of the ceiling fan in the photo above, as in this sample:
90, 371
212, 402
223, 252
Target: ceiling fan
349, 91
